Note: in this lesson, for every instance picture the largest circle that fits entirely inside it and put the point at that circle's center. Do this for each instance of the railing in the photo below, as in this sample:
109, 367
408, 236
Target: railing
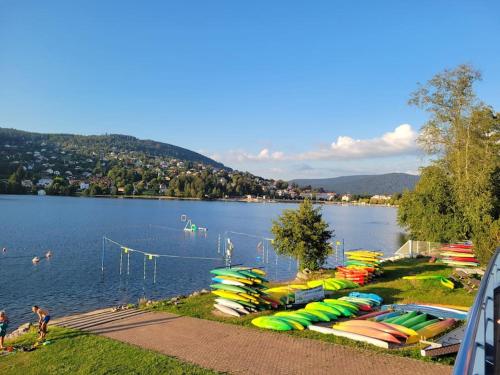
480, 349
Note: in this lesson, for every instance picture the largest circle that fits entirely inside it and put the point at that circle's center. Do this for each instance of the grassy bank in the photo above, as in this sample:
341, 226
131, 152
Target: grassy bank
77, 352
390, 286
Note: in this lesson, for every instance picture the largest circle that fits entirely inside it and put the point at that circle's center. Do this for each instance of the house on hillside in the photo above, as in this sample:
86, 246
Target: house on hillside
346, 198
44, 182
27, 184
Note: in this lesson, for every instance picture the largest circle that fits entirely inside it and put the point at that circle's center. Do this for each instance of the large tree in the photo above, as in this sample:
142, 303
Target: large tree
462, 137
304, 235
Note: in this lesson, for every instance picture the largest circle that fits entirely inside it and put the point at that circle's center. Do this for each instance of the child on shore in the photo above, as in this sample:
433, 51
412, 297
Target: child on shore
4, 323
43, 320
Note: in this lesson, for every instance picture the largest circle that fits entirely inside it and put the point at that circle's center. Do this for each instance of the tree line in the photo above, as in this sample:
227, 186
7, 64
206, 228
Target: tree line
457, 196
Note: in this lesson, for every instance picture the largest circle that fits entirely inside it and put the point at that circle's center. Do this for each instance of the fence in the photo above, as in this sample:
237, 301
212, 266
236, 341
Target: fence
413, 248
480, 349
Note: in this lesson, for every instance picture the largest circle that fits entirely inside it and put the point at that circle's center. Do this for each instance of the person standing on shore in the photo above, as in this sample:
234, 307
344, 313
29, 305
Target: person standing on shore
43, 320
4, 323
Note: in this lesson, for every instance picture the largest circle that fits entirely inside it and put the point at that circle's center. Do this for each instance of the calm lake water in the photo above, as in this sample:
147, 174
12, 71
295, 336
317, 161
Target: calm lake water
73, 229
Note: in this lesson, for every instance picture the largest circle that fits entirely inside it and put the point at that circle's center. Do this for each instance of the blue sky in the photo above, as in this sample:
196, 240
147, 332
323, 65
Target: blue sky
264, 86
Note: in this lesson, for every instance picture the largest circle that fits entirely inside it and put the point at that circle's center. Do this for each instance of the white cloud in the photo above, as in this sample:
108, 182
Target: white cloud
397, 142
400, 141
241, 156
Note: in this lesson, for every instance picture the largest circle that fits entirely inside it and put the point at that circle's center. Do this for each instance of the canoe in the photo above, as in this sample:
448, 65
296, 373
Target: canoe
369, 332
461, 259
437, 311
388, 315
374, 314
403, 318
243, 281
269, 322
350, 335
254, 270
349, 305
378, 326
291, 322
229, 288
297, 317
321, 315
457, 254
424, 324
457, 263
372, 296
415, 320
227, 281
447, 283
231, 304
234, 296
323, 307
436, 328
457, 250
306, 315
413, 335
227, 310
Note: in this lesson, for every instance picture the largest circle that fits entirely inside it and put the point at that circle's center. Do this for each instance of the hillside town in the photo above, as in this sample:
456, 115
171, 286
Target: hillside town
42, 168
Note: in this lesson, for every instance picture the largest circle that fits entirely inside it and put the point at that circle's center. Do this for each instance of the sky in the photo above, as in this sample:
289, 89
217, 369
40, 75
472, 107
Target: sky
283, 89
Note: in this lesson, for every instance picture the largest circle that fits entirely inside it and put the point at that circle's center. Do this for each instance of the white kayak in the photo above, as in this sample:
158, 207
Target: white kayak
227, 310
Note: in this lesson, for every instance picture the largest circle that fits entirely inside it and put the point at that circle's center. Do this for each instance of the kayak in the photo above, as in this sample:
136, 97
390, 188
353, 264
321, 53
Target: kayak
270, 322
369, 332
378, 326
436, 328
437, 311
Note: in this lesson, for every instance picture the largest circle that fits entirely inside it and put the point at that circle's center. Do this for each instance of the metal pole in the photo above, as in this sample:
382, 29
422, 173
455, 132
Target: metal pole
154, 275
343, 252
102, 258
128, 263
121, 261
144, 266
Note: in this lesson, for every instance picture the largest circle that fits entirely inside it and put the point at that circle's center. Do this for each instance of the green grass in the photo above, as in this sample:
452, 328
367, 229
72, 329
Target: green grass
77, 352
390, 286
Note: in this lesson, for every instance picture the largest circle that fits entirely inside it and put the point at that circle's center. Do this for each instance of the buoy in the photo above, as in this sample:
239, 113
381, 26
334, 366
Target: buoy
35, 260
48, 254
4, 250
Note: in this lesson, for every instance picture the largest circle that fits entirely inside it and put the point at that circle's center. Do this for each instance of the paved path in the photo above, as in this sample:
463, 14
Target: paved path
241, 350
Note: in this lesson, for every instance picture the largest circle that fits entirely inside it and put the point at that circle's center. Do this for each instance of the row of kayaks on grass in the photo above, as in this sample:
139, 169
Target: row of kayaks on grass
326, 311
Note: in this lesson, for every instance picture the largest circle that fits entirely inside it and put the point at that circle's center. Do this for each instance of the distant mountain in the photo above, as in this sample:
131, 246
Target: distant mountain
103, 144
389, 183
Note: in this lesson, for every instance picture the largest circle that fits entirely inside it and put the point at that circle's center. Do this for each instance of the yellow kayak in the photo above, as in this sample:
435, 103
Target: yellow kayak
234, 296
244, 281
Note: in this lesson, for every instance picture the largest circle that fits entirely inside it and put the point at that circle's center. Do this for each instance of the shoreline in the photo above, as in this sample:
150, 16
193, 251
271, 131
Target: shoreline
238, 200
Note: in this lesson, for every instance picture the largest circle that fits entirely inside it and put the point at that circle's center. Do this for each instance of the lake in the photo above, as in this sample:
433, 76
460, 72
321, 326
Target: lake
73, 229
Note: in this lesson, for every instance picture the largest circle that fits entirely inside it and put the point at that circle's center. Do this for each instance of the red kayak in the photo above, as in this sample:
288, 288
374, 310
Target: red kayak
460, 259
457, 250
460, 246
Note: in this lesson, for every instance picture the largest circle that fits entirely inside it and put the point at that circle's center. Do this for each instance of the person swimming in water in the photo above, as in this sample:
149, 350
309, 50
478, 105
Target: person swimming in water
43, 320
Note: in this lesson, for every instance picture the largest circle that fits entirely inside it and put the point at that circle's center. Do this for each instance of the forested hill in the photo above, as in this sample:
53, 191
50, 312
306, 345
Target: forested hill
64, 164
104, 144
363, 184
